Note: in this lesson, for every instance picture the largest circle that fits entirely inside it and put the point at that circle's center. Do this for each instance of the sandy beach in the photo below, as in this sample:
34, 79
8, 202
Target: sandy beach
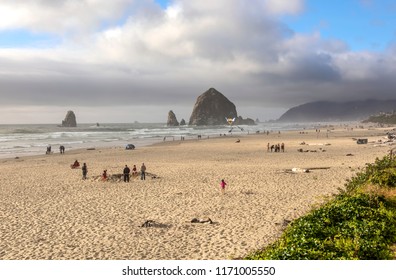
48, 212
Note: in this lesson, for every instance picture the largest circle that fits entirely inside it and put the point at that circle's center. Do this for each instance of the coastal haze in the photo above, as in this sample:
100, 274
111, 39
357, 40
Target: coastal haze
125, 61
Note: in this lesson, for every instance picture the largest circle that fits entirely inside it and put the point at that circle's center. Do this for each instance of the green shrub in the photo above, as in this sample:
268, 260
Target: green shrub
353, 225
382, 173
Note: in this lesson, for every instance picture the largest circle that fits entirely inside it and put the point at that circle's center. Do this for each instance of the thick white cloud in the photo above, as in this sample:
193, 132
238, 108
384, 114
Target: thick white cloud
153, 57
60, 16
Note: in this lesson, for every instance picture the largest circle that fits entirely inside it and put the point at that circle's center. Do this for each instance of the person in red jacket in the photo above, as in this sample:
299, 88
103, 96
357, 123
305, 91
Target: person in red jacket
223, 184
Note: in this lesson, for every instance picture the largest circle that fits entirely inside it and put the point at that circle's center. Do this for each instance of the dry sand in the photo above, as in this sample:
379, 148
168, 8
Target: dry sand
48, 212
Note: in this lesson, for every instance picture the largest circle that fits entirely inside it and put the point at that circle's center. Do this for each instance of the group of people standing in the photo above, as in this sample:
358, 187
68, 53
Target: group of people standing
127, 172
276, 148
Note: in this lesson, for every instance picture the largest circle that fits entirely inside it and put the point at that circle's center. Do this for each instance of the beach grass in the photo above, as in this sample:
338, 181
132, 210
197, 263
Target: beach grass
357, 224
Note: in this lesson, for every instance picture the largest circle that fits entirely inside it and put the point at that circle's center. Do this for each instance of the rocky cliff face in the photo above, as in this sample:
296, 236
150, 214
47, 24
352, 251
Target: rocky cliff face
172, 120
212, 108
70, 120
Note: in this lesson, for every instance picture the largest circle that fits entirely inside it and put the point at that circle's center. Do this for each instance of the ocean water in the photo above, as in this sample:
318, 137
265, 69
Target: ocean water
33, 139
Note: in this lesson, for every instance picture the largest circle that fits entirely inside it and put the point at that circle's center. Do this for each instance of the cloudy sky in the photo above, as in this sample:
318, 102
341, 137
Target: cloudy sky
127, 60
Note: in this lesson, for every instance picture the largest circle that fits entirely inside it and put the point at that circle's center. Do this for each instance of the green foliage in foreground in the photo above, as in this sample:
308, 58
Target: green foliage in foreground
381, 173
356, 224
383, 119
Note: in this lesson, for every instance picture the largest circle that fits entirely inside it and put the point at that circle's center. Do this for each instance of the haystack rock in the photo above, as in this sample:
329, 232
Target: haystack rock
70, 120
172, 120
182, 122
212, 108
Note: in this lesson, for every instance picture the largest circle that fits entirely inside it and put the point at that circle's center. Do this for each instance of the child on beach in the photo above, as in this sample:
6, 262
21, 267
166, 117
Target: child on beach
76, 164
222, 186
134, 171
104, 175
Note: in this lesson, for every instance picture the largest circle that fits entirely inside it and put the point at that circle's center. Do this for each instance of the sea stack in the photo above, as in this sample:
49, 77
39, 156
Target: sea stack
242, 121
172, 120
70, 120
212, 108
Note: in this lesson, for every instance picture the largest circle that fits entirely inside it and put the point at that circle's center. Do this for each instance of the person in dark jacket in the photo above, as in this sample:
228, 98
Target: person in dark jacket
84, 171
126, 173
143, 172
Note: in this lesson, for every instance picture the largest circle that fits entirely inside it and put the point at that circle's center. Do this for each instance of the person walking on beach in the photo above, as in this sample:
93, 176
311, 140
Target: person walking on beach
84, 171
104, 175
223, 184
126, 173
143, 172
62, 149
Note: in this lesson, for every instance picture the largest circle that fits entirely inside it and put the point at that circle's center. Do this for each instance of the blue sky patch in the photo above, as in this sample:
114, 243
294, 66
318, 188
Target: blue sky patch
163, 3
362, 24
20, 38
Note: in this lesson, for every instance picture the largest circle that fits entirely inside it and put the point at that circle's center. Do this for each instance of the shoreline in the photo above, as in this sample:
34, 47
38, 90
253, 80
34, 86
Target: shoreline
153, 142
49, 212
26, 140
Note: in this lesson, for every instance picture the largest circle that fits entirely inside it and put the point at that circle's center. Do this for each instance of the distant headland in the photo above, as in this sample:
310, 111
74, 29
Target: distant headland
324, 111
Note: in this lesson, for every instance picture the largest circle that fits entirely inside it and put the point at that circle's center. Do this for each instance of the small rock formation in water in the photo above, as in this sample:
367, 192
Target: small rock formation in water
70, 120
172, 120
242, 121
182, 122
